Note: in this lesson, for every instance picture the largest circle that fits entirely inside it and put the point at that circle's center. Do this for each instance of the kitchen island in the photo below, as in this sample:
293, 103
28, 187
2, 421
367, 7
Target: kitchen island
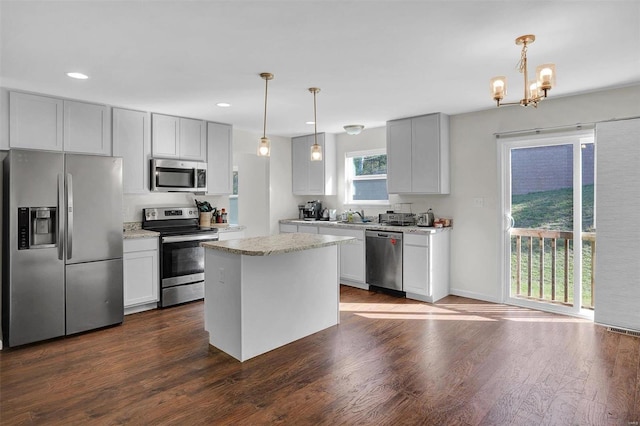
264, 292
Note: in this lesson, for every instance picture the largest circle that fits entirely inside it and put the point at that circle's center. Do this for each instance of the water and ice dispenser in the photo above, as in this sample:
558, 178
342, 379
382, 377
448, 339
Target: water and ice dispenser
36, 227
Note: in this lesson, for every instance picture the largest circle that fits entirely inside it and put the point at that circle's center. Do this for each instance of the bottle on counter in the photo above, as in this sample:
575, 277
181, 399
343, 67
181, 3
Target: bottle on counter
224, 216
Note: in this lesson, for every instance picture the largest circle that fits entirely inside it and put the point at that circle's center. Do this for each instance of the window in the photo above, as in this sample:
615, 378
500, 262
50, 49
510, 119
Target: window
233, 199
366, 177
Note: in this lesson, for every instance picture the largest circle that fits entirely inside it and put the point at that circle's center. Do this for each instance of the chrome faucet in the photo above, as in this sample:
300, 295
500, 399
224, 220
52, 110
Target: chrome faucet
361, 214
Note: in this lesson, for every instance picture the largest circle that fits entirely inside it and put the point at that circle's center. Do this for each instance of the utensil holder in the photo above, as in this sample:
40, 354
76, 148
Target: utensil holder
205, 218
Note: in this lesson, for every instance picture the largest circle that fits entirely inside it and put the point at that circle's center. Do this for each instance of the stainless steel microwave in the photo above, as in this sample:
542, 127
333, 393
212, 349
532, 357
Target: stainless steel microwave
178, 176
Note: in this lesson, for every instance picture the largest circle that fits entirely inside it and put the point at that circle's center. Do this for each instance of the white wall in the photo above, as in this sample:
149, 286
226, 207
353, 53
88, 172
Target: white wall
475, 257
264, 191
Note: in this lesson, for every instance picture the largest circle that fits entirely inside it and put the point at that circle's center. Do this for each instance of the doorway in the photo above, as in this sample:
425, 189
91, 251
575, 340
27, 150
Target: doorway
548, 205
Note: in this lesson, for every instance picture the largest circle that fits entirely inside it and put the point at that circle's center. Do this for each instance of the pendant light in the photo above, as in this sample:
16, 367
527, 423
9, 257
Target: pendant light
316, 150
264, 148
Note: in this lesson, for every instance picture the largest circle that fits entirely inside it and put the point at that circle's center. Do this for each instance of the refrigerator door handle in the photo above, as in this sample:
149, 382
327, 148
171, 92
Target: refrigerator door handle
69, 216
61, 229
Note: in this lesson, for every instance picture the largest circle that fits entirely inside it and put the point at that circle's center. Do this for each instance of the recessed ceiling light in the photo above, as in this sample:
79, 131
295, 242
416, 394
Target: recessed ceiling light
223, 104
310, 122
78, 75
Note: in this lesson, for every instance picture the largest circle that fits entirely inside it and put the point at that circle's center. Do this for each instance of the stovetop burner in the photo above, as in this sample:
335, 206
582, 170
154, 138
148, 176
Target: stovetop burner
174, 221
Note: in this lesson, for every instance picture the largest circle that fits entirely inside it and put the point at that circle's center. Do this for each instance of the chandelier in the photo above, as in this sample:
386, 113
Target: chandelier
534, 90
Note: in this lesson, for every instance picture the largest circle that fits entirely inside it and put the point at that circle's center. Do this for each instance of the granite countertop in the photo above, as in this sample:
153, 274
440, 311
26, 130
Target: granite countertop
368, 225
276, 244
139, 233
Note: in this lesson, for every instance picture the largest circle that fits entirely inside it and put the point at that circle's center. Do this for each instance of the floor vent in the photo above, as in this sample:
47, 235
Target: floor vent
623, 331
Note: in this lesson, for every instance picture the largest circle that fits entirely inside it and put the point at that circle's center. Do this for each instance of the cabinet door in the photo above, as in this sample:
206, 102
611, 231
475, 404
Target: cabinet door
87, 128
132, 142
300, 158
35, 122
316, 168
415, 264
140, 277
219, 159
193, 142
425, 157
352, 255
306, 229
399, 155
164, 136
286, 228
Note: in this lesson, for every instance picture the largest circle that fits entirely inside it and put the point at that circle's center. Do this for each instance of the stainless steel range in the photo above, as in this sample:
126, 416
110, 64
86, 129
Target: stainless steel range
181, 257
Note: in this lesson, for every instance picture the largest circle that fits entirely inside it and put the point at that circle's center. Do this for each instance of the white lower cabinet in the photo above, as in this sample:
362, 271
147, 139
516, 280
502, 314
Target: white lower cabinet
140, 274
425, 265
288, 228
352, 269
307, 229
230, 235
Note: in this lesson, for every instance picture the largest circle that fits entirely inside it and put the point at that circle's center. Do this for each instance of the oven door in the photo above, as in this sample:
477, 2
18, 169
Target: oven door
182, 259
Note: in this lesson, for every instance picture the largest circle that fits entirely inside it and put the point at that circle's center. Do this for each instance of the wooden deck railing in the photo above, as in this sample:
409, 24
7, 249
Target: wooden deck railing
548, 242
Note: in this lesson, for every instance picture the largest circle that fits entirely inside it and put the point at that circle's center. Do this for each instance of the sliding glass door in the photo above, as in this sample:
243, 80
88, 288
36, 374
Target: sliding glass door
549, 225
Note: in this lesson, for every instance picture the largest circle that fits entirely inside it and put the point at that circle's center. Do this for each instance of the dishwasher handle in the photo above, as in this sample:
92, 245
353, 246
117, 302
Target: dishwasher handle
387, 235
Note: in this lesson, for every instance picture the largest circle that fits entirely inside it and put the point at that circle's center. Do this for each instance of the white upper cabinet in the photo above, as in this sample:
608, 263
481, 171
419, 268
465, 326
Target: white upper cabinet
87, 128
313, 177
175, 137
35, 122
132, 142
43, 122
219, 159
193, 139
418, 155
165, 136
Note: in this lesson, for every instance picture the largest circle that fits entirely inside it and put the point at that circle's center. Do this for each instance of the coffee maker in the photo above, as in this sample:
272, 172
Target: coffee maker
312, 210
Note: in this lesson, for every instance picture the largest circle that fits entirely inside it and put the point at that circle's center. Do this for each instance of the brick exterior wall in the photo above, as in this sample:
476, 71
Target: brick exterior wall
548, 168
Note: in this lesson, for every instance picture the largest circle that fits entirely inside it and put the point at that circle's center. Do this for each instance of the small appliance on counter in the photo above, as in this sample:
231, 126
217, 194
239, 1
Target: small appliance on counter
313, 210
426, 219
397, 219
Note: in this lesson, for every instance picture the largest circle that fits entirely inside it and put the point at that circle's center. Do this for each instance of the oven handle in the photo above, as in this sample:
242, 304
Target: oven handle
182, 238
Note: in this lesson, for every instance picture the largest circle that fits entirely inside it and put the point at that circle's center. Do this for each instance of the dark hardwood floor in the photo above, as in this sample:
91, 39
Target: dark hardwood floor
390, 362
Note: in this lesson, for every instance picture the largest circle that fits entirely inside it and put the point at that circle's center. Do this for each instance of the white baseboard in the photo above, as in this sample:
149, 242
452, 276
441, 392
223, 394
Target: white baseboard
354, 284
140, 308
473, 295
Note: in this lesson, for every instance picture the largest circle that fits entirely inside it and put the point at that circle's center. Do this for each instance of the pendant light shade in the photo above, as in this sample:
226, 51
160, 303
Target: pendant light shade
264, 148
316, 150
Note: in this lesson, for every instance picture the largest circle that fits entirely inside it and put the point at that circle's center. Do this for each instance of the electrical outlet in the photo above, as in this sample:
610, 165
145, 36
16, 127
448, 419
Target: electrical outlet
478, 202
221, 275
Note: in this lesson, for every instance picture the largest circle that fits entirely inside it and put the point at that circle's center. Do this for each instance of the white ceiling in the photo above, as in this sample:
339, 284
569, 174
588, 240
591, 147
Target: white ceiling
373, 60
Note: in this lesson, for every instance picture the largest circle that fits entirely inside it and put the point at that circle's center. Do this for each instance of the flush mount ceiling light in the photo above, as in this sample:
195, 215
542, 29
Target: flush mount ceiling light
353, 129
316, 150
77, 75
534, 90
264, 148
223, 104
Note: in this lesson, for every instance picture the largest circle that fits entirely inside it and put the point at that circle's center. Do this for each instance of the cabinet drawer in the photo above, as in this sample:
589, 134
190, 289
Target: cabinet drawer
330, 230
416, 240
140, 244
288, 228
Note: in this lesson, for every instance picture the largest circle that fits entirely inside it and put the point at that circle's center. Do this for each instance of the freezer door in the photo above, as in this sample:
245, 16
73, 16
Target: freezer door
94, 295
94, 213
33, 280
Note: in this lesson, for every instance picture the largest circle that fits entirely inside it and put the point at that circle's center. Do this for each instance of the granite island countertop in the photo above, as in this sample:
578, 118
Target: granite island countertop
276, 244
368, 225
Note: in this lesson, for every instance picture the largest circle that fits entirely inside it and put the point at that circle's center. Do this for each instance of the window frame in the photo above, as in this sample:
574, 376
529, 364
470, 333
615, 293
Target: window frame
349, 177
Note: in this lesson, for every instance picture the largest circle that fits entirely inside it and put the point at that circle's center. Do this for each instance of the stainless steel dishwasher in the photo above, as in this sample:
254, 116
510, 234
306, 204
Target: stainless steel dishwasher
384, 259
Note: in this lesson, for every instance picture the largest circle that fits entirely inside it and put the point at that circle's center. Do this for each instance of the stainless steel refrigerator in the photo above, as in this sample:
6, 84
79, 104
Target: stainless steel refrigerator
62, 245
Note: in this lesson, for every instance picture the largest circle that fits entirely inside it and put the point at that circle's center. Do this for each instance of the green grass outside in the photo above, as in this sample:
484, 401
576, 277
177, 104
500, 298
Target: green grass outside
552, 210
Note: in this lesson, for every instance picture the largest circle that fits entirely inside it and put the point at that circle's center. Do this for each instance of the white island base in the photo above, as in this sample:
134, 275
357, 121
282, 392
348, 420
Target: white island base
256, 303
